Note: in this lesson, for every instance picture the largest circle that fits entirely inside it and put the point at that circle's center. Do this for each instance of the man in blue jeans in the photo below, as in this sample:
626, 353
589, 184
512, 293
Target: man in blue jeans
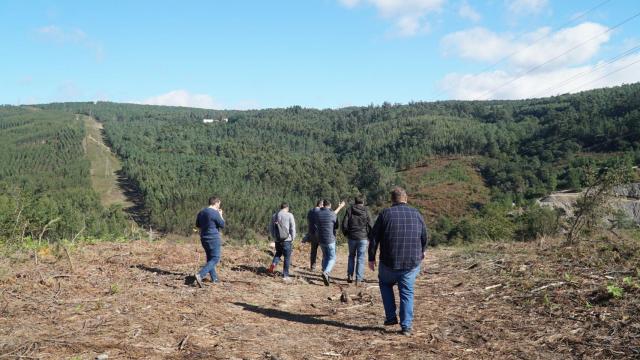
401, 234
326, 223
283, 220
356, 226
210, 222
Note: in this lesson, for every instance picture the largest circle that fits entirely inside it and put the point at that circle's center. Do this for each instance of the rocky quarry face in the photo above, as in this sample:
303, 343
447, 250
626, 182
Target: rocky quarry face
625, 197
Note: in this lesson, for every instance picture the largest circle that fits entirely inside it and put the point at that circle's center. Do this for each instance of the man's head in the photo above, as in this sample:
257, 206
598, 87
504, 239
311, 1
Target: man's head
358, 200
326, 203
214, 201
319, 203
284, 206
398, 195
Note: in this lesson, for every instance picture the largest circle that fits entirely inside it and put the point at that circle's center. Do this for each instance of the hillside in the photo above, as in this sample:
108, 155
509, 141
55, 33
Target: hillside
507, 301
525, 149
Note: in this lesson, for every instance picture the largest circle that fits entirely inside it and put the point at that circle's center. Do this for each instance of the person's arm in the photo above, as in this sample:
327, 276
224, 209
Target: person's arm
292, 228
345, 224
340, 206
374, 241
198, 221
217, 218
424, 237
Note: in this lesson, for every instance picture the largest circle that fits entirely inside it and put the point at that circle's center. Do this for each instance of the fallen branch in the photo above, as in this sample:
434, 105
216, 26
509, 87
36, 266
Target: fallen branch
183, 342
548, 286
492, 287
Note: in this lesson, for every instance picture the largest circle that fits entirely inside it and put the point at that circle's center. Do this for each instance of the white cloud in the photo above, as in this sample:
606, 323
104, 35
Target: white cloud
522, 7
467, 12
58, 35
409, 16
183, 98
503, 85
569, 46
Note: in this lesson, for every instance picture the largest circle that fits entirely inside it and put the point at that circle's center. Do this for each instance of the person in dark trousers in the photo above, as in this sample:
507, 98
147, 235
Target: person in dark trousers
401, 234
312, 233
312, 237
326, 224
210, 222
283, 221
356, 226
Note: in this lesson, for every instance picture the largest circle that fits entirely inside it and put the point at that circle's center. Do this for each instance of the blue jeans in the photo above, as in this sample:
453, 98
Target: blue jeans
357, 248
405, 279
328, 257
283, 248
212, 250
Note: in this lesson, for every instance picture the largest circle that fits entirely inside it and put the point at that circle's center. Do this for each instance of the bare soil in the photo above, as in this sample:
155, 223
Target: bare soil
500, 301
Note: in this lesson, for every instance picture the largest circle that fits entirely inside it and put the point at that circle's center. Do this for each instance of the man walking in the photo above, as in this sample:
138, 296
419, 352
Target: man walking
326, 223
210, 221
401, 233
312, 236
356, 226
283, 230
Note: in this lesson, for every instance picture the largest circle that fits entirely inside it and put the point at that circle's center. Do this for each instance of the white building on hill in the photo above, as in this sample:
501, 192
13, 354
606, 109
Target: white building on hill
209, 121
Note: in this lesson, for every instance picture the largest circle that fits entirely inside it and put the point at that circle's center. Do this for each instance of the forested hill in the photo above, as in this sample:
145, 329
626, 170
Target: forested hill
524, 149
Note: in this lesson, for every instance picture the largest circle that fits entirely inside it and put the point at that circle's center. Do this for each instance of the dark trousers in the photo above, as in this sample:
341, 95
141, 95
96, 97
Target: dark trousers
313, 255
285, 249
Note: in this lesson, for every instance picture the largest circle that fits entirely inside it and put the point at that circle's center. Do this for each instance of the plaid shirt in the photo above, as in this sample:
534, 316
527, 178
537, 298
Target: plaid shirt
402, 235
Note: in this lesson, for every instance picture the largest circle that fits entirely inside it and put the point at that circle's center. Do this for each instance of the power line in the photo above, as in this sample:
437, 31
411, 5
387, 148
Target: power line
606, 75
493, 65
590, 71
583, 14
560, 55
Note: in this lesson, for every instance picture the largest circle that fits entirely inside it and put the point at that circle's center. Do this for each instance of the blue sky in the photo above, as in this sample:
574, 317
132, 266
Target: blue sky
316, 53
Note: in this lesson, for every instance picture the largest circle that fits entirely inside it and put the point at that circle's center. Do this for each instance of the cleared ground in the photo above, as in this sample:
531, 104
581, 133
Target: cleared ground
105, 166
449, 186
501, 301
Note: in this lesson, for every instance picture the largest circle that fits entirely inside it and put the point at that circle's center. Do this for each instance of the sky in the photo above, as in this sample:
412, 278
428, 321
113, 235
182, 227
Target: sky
245, 54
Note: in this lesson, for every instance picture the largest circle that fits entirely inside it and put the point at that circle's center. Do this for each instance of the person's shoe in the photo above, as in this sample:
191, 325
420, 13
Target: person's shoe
198, 280
406, 332
271, 268
349, 279
287, 279
325, 278
312, 267
391, 322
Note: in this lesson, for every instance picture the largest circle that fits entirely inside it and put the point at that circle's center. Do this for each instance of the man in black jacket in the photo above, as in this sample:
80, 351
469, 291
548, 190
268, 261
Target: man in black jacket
356, 226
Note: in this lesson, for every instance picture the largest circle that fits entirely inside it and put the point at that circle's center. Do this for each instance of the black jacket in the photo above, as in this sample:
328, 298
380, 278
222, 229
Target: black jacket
356, 224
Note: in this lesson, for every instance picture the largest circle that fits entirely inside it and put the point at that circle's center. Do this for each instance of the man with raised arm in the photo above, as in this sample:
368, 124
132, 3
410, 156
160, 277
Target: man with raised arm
401, 234
210, 222
312, 233
326, 223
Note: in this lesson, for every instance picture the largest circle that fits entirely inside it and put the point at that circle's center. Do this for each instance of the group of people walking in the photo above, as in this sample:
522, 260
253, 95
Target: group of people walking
399, 233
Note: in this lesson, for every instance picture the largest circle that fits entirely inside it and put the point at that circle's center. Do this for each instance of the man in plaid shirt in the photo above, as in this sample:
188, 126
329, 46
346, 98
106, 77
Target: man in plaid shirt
402, 235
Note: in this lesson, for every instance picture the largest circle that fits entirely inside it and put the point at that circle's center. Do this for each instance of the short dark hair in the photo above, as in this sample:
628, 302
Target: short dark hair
398, 195
284, 205
319, 203
214, 200
358, 200
326, 203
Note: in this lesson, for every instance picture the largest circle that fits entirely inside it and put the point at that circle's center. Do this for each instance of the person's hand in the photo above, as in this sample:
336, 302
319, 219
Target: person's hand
342, 203
372, 265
